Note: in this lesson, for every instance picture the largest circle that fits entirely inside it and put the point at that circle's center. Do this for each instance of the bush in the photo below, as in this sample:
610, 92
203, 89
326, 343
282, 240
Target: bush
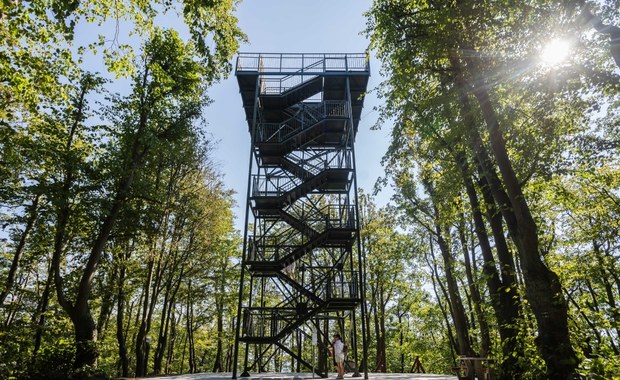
53, 362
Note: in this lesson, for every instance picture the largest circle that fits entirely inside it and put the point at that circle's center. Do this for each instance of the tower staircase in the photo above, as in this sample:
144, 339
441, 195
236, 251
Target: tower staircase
303, 112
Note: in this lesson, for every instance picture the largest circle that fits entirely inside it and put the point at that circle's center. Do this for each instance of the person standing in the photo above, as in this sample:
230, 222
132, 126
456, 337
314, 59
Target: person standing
338, 349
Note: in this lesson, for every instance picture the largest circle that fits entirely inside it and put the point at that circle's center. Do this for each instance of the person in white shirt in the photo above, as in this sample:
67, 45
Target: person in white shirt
338, 349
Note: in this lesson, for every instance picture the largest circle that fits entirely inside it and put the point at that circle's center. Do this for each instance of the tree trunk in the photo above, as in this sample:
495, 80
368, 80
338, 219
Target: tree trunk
504, 296
190, 329
163, 331
141, 342
120, 316
41, 310
401, 340
108, 299
217, 366
173, 339
485, 339
380, 363
10, 280
436, 280
458, 311
167, 317
85, 338
79, 313
543, 287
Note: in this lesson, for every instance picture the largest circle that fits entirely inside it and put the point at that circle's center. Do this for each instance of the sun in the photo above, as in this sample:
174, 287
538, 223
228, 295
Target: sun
555, 52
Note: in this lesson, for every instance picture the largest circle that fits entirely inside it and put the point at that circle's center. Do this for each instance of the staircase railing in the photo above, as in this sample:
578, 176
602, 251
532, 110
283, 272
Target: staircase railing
342, 286
271, 322
276, 185
267, 322
270, 248
277, 86
306, 117
319, 160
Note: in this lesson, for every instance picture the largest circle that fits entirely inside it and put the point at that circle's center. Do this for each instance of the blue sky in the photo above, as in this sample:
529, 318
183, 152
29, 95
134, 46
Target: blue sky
294, 26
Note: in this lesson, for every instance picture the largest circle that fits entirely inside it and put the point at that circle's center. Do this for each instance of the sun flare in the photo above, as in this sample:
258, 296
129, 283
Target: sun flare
555, 52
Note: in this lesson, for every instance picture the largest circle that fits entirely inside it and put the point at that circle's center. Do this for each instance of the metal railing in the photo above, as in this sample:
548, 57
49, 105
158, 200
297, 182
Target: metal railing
266, 249
309, 115
277, 186
276, 86
270, 248
266, 322
271, 321
301, 63
336, 285
343, 286
338, 216
312, 162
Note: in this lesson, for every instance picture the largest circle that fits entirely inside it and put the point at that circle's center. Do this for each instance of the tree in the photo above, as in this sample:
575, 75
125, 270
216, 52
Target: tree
465, 67
67, 173
167, 97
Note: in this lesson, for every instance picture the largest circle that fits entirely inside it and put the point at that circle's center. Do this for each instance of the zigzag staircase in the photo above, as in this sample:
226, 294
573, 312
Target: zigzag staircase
303, 122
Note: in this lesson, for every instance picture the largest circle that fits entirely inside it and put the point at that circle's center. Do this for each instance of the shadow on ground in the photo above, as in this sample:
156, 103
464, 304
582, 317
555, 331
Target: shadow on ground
291, 376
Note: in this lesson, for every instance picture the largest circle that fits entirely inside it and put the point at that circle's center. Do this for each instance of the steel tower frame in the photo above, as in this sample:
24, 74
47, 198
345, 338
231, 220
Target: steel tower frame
302, 254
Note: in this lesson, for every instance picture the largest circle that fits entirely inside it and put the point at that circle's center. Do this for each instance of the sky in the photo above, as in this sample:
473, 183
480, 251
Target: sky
294, 26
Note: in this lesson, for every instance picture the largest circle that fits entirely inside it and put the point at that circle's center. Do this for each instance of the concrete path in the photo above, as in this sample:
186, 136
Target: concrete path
292, 376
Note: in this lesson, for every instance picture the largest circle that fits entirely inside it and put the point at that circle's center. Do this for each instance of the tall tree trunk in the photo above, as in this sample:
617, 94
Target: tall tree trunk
32, 211
120, 316
81, 313
458, 311
173, 338
217, 365
163, 330
84, 325
190, 329
167, 318
380, 365
485, 339
436, 280
503, 293
141, 341
401, 340
108, 299
41, 311
79, 310
375, 319
456, 305
543, 288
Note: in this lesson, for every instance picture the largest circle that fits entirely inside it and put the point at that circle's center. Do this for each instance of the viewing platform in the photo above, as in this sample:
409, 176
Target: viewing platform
284, 79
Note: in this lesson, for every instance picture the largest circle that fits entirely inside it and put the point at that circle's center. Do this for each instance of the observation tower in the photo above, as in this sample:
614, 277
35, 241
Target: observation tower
301, 270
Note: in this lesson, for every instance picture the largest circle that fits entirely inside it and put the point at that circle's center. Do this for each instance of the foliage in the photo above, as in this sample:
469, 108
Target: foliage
472, 109
100, 190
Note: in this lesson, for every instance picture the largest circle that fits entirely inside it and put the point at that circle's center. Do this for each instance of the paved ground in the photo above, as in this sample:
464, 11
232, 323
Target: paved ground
289, 376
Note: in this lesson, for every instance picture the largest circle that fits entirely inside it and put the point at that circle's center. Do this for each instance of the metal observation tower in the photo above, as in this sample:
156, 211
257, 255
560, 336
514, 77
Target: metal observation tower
301, 277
